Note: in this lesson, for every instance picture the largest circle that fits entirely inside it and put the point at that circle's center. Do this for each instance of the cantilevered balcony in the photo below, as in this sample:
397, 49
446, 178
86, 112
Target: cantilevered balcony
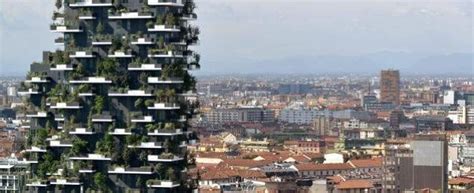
131, 15
142, 41
164, 28
173, 3
59, 118
62, 67
163, 184
82, 131
169, 54
147, 145
91, 3
86, 15
130, 93
164, 158
157, 80
66, 106
38, 115
60, 143
144, 119
35, 149
131, 171
144, 67
91, 157
188, 17
37, 183
121, 132
65, 29
102, 119
165, 132
120, 54
65, 182
88, 170
86, 94
37, 80
82, 54
91, 80
164, 106
30, 91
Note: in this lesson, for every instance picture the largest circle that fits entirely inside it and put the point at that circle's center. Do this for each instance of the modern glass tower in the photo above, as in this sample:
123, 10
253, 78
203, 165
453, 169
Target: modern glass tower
109, 111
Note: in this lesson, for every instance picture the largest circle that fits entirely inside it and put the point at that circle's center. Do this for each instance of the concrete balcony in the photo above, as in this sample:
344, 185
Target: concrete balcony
142, 41
86, 171
164, 106
37, 80
65, 29
91, 3
163, 28
147, 145
91, 157
91, 80
172, 3
163, 132
101, 43
145, 119
131, 171
86, 94
86, 16
189, 17
66, 106
82, 54
28, 92
38, 115
131, 93
131, 15
37, 183
102, 119
169, 54
65, 182
120, 54
162, 158
157, 80
35, 149
59, 143
62, 67
82, 131
145, 67
59, 119
120, 131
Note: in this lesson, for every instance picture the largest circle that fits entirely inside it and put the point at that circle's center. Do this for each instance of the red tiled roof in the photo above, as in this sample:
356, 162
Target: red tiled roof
355, 184
320, 167
367, 163
461, 181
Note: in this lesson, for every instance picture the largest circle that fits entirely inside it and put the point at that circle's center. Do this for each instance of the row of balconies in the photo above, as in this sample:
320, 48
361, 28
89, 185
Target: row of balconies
122, 54
76, 182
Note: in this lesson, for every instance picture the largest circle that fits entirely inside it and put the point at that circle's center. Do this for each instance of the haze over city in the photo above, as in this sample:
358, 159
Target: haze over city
276, 36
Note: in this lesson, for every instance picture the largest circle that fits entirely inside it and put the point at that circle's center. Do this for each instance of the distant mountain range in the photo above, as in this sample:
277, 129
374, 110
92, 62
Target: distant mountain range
457, 63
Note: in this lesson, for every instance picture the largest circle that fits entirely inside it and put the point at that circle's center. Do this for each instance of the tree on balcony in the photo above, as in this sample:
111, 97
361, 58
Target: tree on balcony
100, 181
99, 103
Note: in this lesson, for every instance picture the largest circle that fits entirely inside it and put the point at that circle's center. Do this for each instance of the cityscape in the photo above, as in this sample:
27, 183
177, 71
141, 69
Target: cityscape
121, 106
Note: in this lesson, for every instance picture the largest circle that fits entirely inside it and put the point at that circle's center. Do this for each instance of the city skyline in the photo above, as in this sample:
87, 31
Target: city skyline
413, 37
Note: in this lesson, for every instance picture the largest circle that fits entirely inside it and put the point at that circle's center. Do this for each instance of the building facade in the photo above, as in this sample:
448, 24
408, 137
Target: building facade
390, 86
109, 111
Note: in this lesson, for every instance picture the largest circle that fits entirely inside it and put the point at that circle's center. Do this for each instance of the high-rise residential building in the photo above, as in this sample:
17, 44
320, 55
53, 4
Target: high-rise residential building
390, 86
416, 165
109, 111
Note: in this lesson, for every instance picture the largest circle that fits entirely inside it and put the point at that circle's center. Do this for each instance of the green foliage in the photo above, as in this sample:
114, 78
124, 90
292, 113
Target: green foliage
100, 28
138, 103
40, 137
170, 173
78, 146
99, 103
100, 181
106, 145
107, 68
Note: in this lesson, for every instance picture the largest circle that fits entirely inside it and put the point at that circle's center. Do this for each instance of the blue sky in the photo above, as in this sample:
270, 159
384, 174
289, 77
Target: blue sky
286, 35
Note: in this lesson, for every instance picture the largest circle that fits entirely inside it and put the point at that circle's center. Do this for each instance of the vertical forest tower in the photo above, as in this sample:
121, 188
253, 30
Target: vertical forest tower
108, 113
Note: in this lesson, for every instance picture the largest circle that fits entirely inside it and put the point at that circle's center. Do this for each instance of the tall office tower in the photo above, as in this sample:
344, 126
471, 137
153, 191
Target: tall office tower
421, 164
109, 112
390, 86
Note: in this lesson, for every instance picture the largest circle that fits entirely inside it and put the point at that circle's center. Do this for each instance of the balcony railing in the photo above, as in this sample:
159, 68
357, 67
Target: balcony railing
173, 3
91, 3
